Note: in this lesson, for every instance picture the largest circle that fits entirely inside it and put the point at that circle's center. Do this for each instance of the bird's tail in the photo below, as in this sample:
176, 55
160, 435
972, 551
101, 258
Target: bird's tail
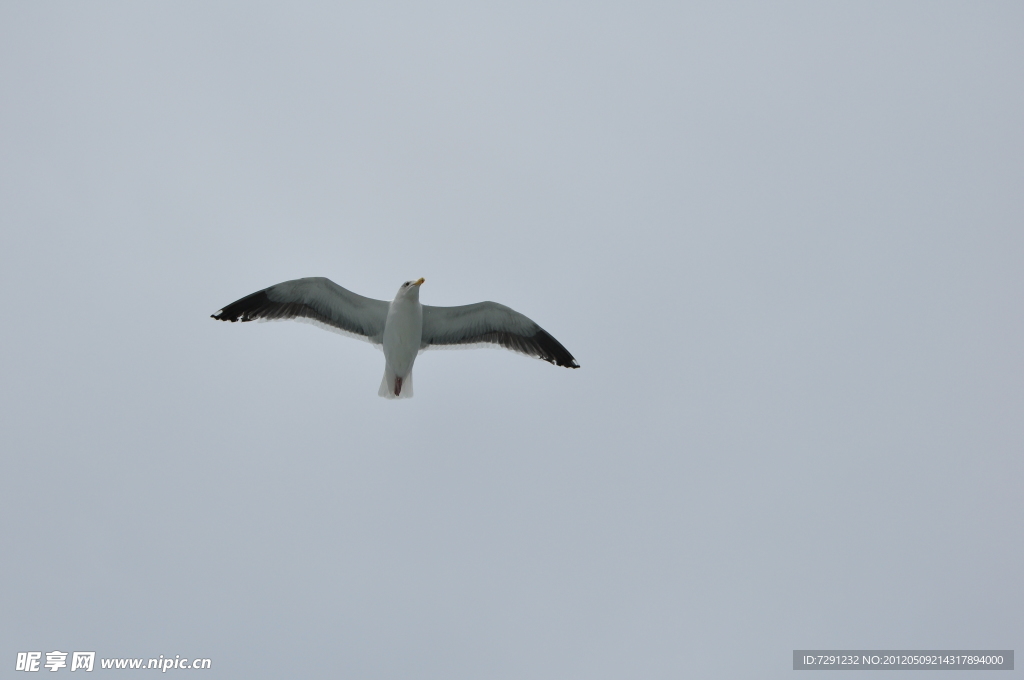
393, 387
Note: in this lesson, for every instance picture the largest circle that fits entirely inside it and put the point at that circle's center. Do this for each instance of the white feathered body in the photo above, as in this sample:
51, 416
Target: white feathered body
403, 332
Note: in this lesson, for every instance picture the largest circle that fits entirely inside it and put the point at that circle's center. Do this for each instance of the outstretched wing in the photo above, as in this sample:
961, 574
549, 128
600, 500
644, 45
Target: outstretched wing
316, 299
489, 322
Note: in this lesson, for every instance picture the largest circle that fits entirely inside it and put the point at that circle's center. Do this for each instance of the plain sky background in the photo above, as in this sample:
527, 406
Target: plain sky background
783, 240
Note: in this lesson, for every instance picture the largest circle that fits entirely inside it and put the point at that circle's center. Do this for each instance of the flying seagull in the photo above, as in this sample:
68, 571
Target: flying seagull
403, 327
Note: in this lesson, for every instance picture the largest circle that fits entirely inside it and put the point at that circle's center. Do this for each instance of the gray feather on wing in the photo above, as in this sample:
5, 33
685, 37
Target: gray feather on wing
317, 299
489, 322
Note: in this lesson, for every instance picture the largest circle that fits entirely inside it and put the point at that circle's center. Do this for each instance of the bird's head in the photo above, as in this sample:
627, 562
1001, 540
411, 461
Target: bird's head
410, 290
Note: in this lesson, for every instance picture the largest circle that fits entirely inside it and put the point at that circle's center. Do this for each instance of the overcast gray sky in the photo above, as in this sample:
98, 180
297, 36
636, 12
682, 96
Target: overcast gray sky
783, 240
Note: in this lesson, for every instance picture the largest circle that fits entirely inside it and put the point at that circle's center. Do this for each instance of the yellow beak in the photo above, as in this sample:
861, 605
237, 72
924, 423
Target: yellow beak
419, 282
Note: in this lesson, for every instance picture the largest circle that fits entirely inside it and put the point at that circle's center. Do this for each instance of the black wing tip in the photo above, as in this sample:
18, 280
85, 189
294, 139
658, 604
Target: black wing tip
245, 309
552, 351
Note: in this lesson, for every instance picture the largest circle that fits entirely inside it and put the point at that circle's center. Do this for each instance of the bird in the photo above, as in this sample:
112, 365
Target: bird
402, 328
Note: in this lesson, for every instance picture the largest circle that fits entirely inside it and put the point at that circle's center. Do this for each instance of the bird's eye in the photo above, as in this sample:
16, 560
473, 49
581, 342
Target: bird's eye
406, 284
